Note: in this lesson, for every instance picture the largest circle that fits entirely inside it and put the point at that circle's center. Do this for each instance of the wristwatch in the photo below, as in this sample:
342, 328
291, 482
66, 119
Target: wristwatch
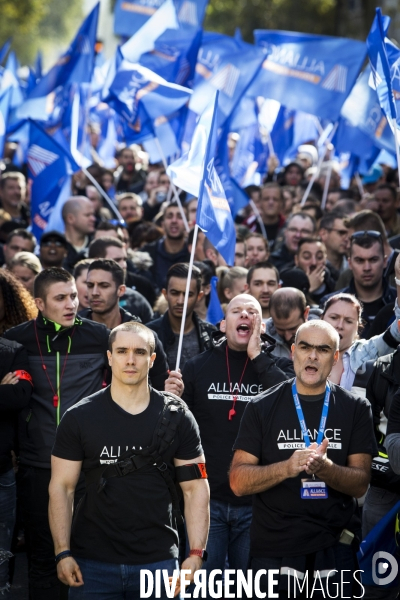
203, 554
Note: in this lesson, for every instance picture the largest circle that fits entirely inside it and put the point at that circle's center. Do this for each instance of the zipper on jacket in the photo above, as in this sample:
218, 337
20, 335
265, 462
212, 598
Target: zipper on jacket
58, 388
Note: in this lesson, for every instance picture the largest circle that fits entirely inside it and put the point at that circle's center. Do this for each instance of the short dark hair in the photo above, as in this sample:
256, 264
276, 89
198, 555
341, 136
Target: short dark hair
308, 240
286, 301
134, 327
264, 264
302, 215
387, 186
110, 266
328, 219
23, 233
367, 220
98, 248
47, 277
366, 242
81, 266
181, 270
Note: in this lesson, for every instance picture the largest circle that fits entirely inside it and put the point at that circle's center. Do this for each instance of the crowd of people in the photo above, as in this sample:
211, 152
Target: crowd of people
311, 324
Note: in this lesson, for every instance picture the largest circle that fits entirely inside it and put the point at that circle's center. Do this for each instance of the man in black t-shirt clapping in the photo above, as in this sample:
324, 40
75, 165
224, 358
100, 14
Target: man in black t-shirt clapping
304, 450
125, 522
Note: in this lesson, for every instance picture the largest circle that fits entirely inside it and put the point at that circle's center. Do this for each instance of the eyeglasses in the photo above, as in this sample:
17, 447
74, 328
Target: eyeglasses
117, 223
341, 232
52, 243
370, 233
299, 231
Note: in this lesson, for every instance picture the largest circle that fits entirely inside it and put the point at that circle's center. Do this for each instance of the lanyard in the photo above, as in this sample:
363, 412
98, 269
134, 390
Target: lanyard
302, 420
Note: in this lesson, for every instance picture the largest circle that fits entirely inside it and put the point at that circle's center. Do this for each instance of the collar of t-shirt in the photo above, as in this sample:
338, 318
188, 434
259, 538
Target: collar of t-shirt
311, 398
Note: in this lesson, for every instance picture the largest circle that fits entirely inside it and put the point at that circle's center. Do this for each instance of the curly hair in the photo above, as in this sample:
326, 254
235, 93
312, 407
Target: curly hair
18, 304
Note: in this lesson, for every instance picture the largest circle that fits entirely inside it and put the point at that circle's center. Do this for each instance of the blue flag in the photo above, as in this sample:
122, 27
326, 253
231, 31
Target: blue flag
213, 215
311, 73
382, 541
3, 51
4, 110
215, 314
49, 169
384, 60
10, 80
225, 64
144, 38
362, 111
131, 15
191, 12
138, 93
75, 66
236, 197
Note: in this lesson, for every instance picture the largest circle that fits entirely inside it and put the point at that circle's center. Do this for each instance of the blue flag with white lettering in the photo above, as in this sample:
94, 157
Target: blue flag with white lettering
131, 15
214, 215
49, 167
311, 73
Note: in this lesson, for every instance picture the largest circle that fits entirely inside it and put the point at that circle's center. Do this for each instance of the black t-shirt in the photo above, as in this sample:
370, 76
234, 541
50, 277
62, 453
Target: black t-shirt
369, 312
130, 521
208, 397
284, 524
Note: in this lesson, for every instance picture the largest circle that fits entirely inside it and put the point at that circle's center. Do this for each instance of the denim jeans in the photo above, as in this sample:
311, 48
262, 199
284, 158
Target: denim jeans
7, 522
229, 536
109, 581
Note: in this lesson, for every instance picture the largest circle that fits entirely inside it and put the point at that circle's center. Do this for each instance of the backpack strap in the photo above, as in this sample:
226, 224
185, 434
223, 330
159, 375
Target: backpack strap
133, 460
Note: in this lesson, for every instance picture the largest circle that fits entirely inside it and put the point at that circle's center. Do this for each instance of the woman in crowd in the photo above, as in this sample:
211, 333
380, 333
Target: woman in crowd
16, 303
343, 312
25, 266
231, 283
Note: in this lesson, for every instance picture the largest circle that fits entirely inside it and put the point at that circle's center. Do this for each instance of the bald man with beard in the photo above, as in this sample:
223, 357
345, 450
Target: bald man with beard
80, 222
218, 385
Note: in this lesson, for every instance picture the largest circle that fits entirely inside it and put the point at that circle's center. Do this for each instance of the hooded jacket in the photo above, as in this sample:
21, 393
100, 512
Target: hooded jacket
76, 365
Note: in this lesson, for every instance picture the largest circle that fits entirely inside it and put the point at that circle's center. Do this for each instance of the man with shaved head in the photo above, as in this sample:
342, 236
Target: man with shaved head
304, 451
218, 384
288, 309
80, 221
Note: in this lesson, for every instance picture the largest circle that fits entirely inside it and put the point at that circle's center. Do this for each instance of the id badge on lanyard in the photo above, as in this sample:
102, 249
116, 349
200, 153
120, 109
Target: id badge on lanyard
312, 488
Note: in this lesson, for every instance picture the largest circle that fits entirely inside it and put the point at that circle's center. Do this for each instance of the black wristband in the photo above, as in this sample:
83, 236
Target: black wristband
62, 555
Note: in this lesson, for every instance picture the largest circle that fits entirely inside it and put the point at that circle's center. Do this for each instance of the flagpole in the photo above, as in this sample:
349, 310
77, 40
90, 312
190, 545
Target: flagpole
326, 185
396, 139
313, 178
185, 303
259, 219
270, 144
359, 184
319, 165
107, 198
174, 191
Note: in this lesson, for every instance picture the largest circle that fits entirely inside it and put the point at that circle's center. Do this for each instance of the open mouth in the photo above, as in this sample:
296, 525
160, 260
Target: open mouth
243, 328
311, 369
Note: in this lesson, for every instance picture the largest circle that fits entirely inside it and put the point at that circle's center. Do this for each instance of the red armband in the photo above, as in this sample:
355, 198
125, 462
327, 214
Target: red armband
21, 374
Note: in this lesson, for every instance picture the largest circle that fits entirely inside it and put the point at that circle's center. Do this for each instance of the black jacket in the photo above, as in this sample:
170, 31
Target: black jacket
163, 260
13, 398
381, 388
159, 372
84, 374
389, 295
282, 258
164, 331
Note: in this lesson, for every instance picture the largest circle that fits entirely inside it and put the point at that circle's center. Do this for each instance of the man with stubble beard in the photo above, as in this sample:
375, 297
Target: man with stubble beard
172, 248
